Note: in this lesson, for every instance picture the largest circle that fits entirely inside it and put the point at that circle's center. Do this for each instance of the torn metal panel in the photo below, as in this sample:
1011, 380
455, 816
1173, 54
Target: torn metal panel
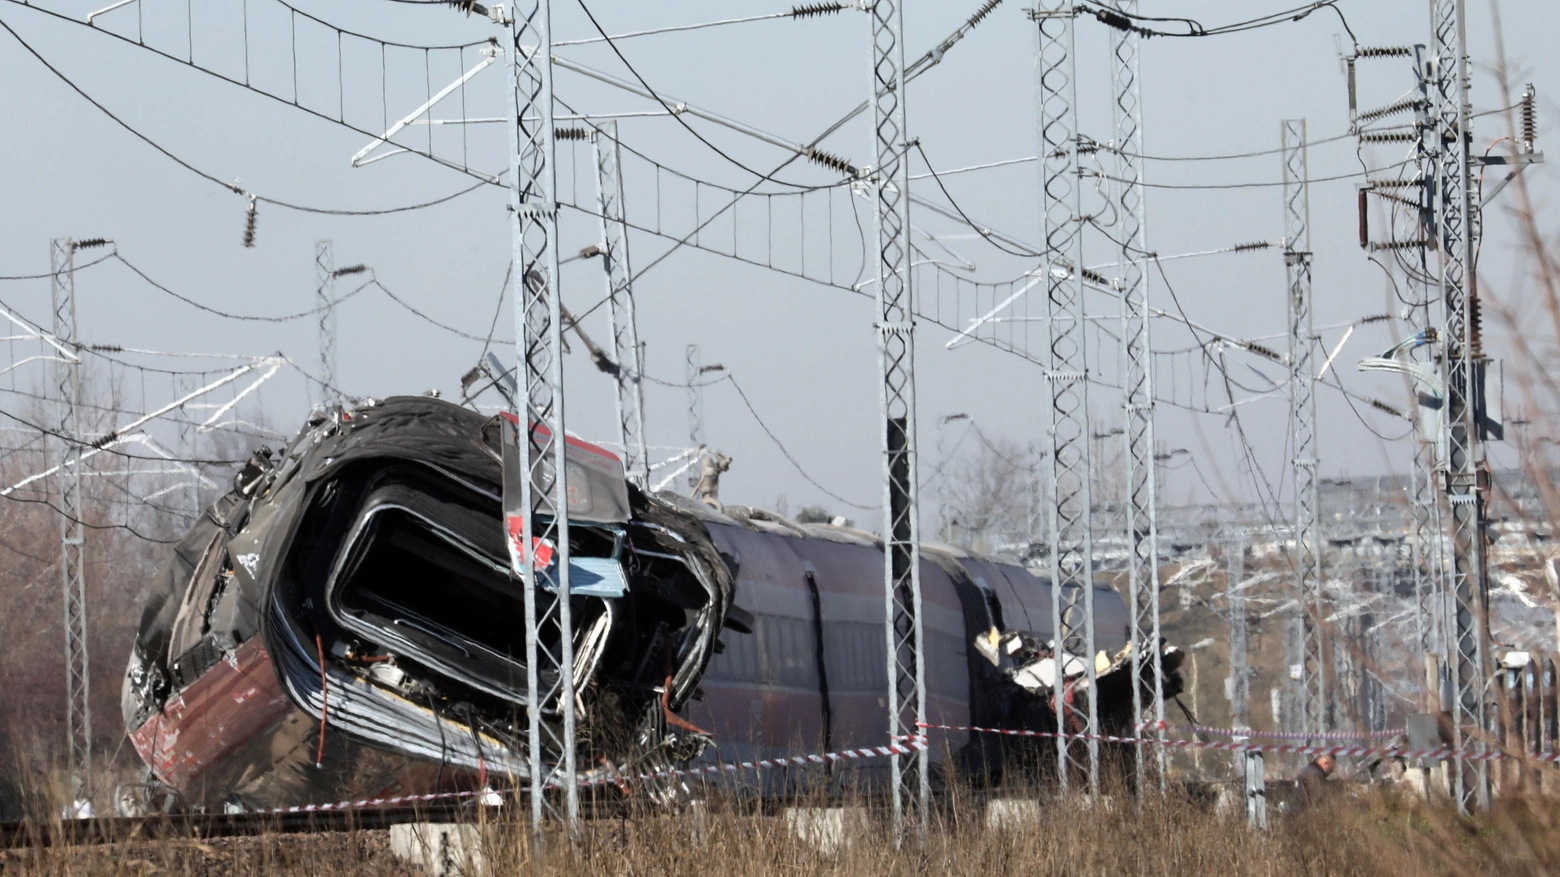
347, 621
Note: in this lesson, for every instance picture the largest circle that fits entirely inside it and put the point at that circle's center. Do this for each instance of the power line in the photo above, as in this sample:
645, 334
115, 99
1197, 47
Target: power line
424, 317
1125, 21
1349, 176
98, 261
796, 12
785, 452
984, 233
232, 187
372, 39
91, 526
227, 315
285, 318
678, 116
107, 448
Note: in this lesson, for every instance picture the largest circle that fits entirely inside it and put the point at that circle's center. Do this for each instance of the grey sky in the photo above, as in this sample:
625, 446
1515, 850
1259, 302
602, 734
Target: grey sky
803, 352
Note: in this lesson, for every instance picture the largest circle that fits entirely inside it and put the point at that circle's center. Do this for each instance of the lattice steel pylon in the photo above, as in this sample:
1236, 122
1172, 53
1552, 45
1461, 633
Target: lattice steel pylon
1072, 538
903, 636
1312, 700
68, 438
1248, 765
324, 300
1141, 500
620, 300
695, 412
1425, 503
539, 342
1462, 358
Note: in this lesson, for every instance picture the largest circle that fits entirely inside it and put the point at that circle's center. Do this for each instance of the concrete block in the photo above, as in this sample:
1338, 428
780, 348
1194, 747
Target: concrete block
440, 849
827, 829
1012, 813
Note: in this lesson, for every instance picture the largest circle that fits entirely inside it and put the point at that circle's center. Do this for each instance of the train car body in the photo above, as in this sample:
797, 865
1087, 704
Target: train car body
345, 624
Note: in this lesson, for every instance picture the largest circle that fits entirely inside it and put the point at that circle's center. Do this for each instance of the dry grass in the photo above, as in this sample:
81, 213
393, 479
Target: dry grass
1380, 832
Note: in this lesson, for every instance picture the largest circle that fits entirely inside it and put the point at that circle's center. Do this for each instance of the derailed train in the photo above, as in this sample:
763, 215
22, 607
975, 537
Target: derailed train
343, 623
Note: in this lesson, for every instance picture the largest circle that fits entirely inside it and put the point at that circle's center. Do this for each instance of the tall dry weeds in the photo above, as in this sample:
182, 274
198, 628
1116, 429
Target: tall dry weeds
1379, 833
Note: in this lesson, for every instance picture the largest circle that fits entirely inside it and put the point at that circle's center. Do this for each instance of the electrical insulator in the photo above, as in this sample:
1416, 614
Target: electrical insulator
1378, 246
1390, 137
1475, 326
1529, 119
1354, 101
1384, 52
812, 10
1407, 183
1382, 406
251, 219
982, 12
831, 161
1364, 218
1401, 106
1261, 350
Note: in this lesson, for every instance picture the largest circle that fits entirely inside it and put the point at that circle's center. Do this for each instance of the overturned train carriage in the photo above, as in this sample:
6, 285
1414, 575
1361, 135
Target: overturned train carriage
344, 624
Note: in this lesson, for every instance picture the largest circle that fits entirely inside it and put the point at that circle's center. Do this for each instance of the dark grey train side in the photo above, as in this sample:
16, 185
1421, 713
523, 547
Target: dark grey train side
811, 675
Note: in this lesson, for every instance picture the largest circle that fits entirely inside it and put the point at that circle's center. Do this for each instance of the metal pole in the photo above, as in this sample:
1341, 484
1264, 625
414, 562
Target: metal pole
539, 342
1465, 473
1426, 546
890, 183
1141, 499
1249, 766
1072, 542
67, 380
620, 296
1038, 529
1312, 702
1235, 600
695, 413
945, 477
324, 299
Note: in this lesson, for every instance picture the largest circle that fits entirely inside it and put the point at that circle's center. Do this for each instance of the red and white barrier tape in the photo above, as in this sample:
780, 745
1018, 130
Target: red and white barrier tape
1280, 748
899, 746
1269, 735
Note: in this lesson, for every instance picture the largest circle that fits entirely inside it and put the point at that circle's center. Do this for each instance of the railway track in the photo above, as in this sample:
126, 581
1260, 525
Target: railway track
35, 834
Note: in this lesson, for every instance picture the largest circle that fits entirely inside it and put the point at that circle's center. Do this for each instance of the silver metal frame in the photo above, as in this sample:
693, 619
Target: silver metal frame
1312, 701
1248, 765
1425, 502
324, 298
1456, 225
695, 414
1072, 538
68, 439
539, 342
1142, 502
903, 634
620, 299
